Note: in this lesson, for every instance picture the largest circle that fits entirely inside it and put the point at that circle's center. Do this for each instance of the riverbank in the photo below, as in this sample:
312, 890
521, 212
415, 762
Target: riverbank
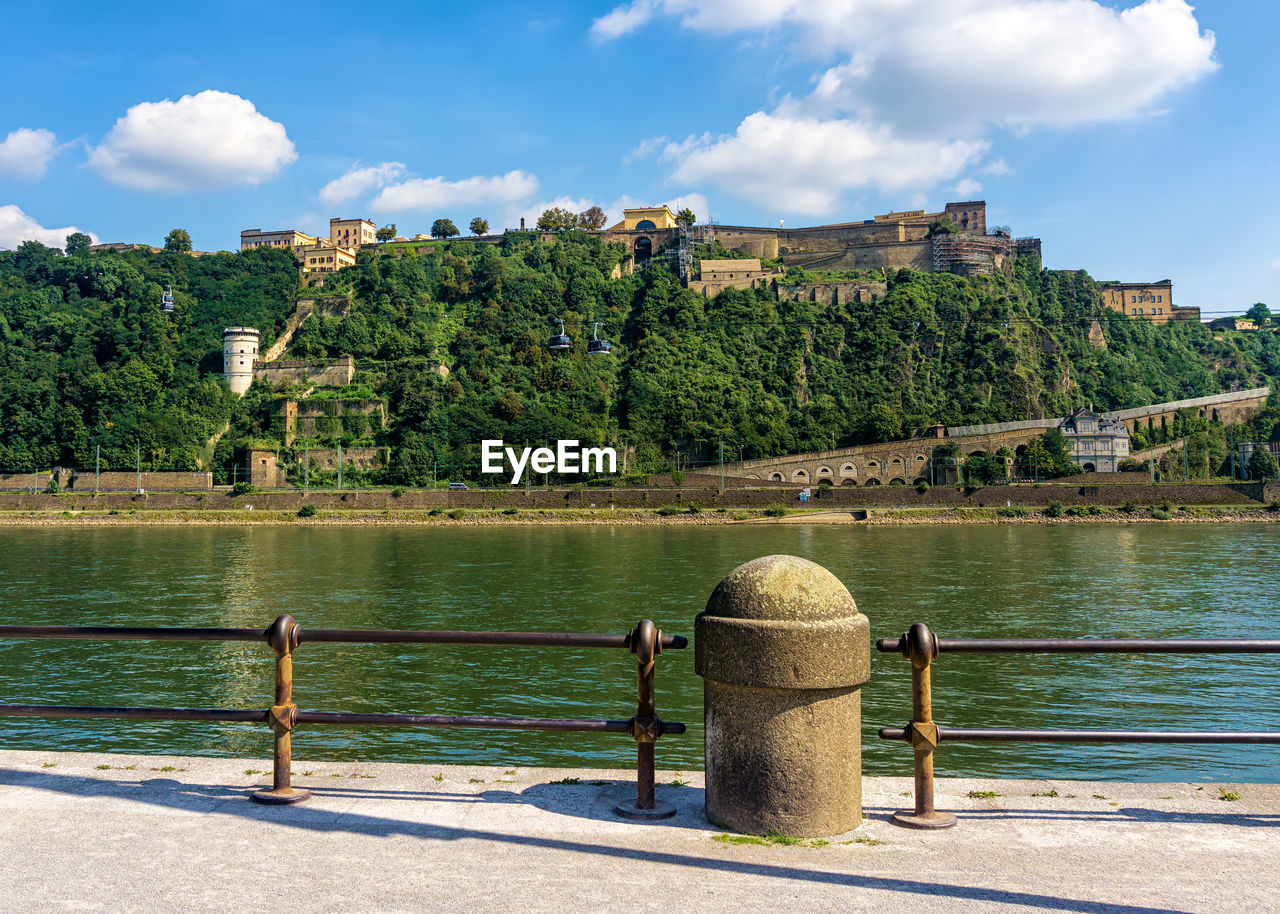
384, 517
144, 833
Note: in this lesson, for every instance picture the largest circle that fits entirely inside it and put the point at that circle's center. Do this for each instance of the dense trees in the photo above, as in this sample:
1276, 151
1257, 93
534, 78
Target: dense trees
454, 341
1262, 464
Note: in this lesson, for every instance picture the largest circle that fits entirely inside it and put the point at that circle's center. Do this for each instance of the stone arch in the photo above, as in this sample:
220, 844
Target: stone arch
752, 476
848, 482
872, 481
777, 477
1090, 468
872, 467
896, 464
897, 481
646, 225
848, 470
643, 248
921, 458
825, 471
800, 475
1215, 414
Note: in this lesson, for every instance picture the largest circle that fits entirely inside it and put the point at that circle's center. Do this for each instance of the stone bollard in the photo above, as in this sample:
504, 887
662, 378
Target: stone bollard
783, 650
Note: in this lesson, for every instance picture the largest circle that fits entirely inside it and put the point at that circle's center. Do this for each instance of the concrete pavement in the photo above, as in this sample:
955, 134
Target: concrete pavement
98, 832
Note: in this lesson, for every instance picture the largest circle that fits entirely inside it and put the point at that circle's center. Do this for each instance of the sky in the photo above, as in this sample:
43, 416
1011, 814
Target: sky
1136, 139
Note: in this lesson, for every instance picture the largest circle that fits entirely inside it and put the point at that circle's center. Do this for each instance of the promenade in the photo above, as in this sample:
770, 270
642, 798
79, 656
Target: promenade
100, 832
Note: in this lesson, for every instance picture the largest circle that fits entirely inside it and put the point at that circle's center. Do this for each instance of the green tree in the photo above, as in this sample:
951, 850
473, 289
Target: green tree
1259, 313
386, 233
177, 241
592, 219
1262, 463
77, 243
557, 219
443, 228
479, 226
686, 217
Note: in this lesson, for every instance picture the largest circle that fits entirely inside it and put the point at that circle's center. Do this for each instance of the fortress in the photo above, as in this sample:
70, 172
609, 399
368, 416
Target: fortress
909, 239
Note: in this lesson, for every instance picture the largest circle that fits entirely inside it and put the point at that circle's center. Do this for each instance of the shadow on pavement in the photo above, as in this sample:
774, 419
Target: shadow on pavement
169, 793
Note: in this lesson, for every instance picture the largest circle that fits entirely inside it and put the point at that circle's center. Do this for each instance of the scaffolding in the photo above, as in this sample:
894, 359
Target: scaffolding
969, 254
689, 238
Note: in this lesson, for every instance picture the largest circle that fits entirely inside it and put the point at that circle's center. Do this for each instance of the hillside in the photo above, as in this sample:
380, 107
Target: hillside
87, 357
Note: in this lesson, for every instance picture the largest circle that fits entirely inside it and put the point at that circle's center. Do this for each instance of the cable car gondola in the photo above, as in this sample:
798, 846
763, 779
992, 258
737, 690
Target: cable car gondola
597, 346
166, 302
560, 340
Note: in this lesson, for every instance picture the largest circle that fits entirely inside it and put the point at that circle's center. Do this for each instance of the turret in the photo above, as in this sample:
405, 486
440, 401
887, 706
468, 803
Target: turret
239, 349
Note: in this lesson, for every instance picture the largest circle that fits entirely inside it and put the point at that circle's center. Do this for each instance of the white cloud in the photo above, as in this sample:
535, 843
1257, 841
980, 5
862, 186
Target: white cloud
967, 187
623, 19
997, 168
922, 84
437, 193
645, 149
200, 142
25, 153
358, 181
804, 165
17, 227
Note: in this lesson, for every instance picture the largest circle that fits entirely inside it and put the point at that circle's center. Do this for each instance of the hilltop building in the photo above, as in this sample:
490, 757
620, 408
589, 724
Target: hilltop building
239, 349
1152, 301
287, 239
1098, 443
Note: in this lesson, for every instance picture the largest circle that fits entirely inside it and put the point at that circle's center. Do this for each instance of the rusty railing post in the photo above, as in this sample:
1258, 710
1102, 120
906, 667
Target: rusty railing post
920, 646
646, 643
283, 638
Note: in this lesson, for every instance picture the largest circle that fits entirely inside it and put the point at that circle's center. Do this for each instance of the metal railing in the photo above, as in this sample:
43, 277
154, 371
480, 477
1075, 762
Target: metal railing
921, 646
284, 635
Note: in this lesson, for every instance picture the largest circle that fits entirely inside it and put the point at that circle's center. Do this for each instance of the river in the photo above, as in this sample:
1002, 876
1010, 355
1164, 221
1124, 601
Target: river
1105, 580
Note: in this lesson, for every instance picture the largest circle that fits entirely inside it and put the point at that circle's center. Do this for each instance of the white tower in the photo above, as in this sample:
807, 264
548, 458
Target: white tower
239, 349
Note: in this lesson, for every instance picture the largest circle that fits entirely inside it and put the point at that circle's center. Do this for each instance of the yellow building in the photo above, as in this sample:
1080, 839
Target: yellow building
325, 258
645, 219
1152, 301
285, 239
351, 233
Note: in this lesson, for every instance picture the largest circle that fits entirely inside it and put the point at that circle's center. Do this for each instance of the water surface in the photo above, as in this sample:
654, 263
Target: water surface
965, 581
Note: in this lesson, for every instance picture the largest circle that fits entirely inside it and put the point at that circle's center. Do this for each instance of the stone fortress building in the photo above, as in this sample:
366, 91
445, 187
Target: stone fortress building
318, 255
956, 239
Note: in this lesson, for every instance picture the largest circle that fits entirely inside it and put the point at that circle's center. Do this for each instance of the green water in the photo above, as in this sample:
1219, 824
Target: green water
973, 581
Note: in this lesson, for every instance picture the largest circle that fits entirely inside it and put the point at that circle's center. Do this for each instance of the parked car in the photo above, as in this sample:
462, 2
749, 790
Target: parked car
457, 487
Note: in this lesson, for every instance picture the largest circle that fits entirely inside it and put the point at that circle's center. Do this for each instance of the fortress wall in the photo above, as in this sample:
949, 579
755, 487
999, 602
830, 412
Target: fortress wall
832, 293
121, 480
910, 255
322, 372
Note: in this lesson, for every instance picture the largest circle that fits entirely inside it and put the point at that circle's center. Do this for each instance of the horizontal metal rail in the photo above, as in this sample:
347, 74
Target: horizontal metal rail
284, 635
349, 635
348, 718
956, 735
1087, 646
921, 646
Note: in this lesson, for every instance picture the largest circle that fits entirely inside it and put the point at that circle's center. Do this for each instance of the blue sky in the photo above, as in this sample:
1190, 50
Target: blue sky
1136, 139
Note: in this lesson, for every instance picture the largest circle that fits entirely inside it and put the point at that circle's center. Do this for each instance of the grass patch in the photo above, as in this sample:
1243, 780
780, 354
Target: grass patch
254, 771
776, 511
308, 510
437, 777
679, 782
477, 780
1229, 796
569, 781
869, 842
770, 839
1098, 796
982, 794
166, 768
49, 765
1048, 793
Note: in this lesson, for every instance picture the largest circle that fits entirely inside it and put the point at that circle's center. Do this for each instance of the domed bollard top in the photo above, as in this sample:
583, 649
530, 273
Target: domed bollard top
783, 651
